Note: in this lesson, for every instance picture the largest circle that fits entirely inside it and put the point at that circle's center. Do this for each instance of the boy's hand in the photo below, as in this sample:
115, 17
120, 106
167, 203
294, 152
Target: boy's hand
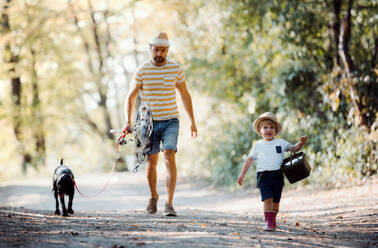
240, 179
303, 140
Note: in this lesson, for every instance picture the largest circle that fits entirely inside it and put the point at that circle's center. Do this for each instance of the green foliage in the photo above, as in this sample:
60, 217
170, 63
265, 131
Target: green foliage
282, 56
345, 157
228, 151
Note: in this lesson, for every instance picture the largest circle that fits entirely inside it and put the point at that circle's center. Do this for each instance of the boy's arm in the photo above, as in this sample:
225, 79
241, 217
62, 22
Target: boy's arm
247, 164
298, 145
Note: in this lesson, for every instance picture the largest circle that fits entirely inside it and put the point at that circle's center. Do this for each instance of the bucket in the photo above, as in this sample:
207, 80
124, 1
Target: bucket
296, 167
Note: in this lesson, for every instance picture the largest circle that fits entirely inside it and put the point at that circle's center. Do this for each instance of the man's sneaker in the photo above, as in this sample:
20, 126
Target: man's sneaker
169, 210
152, 205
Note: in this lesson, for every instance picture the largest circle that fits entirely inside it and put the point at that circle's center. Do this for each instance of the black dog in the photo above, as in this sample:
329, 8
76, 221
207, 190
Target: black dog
63, 184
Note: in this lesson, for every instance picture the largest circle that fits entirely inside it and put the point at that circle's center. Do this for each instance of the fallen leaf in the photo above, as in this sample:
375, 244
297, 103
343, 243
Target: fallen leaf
297, 224
235, 233
203, 225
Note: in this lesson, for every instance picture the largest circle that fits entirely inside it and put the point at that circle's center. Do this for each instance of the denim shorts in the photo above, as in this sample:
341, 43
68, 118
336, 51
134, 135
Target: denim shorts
165, 133
271, 184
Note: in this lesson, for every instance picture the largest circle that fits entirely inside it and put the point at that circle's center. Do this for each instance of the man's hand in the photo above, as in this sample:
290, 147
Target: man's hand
127, 128
193, 128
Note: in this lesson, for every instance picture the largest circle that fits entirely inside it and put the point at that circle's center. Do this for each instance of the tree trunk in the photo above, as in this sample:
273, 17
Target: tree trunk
16, 87
336, 29
102, 52
38, 127
344, 37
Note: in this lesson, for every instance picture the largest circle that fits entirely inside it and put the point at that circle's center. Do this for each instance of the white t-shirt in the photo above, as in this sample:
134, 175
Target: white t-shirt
268, 155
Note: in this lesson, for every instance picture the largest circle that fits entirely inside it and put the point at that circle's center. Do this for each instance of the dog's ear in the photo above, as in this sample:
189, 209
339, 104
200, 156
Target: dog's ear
61, 161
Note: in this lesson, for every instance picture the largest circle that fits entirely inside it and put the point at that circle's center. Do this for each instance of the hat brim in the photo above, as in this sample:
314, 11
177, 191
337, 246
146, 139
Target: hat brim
257, 122
159, 42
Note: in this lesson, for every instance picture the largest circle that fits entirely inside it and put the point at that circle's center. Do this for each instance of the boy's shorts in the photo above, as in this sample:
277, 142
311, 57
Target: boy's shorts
165, 132
271, 184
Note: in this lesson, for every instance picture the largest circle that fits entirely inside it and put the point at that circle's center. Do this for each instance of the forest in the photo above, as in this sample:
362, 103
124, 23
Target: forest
66, 67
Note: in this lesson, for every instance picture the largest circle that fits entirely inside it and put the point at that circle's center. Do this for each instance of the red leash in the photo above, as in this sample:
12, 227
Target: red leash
122, 137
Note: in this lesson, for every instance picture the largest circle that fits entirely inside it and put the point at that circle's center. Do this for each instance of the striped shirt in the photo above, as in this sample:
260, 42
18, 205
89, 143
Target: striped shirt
159, 88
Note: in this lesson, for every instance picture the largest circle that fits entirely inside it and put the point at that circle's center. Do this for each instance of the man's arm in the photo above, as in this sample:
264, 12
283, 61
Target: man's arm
130, 104
187, 101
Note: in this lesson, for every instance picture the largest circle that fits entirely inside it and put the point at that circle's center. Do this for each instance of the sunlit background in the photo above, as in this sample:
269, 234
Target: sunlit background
66, 68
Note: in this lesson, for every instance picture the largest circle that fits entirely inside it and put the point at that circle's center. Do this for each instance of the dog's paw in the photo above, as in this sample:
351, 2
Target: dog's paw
70, 211
65, 214
57, 212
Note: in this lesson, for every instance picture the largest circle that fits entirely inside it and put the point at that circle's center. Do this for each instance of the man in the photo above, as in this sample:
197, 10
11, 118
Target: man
157, 81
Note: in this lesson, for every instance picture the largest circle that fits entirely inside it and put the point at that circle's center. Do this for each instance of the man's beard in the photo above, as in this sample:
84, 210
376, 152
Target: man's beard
159, 59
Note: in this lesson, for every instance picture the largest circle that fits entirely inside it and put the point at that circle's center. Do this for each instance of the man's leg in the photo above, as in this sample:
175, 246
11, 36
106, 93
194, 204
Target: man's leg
169, 146
170, 163
152, 161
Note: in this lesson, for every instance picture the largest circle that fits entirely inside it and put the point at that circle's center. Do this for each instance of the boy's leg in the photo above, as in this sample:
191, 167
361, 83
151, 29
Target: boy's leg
269, 214
276, 208
276, 200
268, 205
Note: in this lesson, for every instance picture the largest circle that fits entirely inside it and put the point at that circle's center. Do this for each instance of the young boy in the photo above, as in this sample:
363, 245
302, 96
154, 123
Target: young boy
268, 154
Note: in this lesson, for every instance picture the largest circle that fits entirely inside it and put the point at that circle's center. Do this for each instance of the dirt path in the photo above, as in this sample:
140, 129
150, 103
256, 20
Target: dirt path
345, 217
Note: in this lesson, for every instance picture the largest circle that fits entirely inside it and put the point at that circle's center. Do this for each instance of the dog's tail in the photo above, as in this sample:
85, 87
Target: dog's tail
61, 161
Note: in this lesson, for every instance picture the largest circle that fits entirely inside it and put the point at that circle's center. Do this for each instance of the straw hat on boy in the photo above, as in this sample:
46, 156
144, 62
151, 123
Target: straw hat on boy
160, 39
266, 116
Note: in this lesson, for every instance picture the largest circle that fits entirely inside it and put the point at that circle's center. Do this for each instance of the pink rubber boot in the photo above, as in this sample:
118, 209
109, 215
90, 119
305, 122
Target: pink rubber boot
269, 216
274, 220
